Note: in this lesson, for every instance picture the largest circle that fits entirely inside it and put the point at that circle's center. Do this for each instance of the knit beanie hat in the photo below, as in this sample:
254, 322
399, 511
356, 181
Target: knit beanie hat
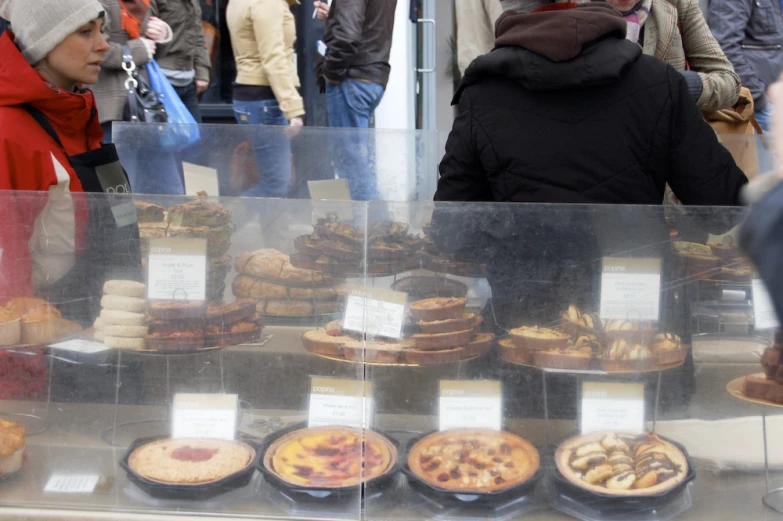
41, 25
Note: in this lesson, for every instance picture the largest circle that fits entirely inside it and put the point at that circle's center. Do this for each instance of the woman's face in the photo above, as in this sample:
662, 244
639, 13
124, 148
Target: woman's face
77, 60
623, 6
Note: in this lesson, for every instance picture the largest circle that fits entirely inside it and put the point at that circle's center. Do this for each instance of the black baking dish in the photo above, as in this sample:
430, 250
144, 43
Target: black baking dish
612, 505
372, 486
189, 492
475, 498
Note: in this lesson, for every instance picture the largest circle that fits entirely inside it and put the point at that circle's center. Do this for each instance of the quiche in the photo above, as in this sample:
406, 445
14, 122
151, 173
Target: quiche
330, 457
473, 460
621, 464
190, 461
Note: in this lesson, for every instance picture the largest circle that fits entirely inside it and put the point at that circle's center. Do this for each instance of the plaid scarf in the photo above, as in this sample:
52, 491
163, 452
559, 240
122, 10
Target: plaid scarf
133, 14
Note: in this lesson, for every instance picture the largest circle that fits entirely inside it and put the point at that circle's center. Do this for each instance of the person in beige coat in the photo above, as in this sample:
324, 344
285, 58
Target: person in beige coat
676, 32
263, 34
475, 29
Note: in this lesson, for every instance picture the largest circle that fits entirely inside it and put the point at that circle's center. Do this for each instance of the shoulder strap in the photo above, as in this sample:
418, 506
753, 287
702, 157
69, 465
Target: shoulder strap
45, 124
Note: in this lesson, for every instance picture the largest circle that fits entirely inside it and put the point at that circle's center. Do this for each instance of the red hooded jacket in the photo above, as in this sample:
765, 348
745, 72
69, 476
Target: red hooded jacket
34, 226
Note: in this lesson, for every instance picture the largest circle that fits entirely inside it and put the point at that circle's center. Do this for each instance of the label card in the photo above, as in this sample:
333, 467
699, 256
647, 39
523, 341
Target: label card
329, 198
204, 416
763, 310
631, 289
78, 345
200, 179
177, 269
334, 401
375, 312
72, 483
612, 406
469, 403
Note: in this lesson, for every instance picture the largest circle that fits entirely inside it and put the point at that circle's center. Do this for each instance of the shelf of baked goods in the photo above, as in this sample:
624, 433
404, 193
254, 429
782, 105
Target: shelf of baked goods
508, 474
721, 263
586, 344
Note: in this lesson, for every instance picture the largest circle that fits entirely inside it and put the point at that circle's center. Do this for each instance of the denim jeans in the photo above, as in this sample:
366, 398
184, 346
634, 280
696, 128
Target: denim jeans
150, 170
272, 146
351, 104
764, 117
766, 161
190, 100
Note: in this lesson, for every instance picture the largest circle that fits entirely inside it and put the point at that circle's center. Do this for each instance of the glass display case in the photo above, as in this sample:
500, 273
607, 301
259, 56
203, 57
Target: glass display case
296, 359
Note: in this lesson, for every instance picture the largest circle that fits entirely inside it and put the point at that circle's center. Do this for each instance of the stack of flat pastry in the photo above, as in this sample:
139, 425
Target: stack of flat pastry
268, 277
122, 323
197, 219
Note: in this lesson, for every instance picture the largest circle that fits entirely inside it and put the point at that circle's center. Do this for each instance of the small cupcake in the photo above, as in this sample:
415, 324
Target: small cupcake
538, 338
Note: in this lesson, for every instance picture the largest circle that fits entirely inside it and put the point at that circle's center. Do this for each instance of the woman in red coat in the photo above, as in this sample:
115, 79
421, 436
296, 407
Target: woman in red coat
50, 141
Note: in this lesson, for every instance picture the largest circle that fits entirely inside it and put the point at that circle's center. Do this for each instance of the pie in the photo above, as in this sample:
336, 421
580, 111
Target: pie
234, 334
563, 359
275, 265
538, 338
12, 444
443, 340
473, 460
190, 461
668, 348
450, 325
621, 464
237, 311
177, 310
330, 457
199, 212
440, 308
326, 342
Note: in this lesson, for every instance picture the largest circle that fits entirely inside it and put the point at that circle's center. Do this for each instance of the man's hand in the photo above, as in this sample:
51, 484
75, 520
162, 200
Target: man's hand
321, 10
158, 30
201, 87
295, 125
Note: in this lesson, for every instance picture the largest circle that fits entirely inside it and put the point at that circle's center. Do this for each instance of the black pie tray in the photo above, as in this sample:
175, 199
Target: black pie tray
613, 505
445, 496
372, 486
188, 492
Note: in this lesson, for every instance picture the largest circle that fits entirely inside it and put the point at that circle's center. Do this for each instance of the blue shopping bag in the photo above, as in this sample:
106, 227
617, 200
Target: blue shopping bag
182, 130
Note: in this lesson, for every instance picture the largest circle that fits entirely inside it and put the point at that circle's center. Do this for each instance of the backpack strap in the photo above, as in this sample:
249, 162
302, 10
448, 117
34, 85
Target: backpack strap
44, 122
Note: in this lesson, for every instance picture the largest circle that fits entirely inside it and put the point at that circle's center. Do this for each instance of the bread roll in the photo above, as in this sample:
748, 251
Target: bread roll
118, 303
122, 318
124, 288
127, 331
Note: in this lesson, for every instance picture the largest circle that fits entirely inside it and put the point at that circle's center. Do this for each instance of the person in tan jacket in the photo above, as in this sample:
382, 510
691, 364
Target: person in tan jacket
475, 29
263, 34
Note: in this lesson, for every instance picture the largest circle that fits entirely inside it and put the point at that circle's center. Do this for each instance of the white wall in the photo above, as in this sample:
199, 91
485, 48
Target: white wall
396, 111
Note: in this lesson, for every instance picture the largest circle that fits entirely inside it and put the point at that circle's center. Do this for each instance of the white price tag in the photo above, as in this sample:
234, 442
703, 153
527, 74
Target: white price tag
204, 416
177, 269
72, 483
631, 289
375, 312
80, 346
612, 406
466, 404
334, 401
763, 310
200, 179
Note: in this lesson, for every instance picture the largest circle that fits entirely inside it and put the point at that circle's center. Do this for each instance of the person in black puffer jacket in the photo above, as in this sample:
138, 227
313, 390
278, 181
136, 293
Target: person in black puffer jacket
566, 110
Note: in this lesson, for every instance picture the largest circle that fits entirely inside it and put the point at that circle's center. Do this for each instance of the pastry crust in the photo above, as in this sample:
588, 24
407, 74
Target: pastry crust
450, 325
446, 356
233, 335
304, 262
296, 308
640, 449
443, 340
176, 310
199, 212
325, 342
149, 213
181, 462
562, 359
276, 266
309, 245
237, 311
330, 457
511, 353
373, 352
464, 460
538, 338
438, 308
480, 345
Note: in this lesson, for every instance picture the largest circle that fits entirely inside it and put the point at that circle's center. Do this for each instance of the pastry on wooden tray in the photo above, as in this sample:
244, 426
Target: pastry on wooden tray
538, 338
438, 308
276, 266
177, 310
376, 351
227, 314
563, 359
625, 355
443, 356
309, 245
576, 323
450, 325
668, 349
330, 457
190, 461
199, 212
510, 352
388, 231
12, 445
443, 340
481, 344
621, 464
325, 342
473, 460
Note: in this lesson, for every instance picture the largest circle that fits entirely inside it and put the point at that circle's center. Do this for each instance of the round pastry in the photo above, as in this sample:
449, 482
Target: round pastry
25, 305
330, 457
325, 342
134, 344
12, 445
538, 338
511, 353
443, 340
122, 318
440, 308
177, 310
190, 461
41, 326
473, 460
126, 331
120, 303
376, 352
620, 464
450, 325
668, 348
125, 288
562, 359
480, 345
445, 356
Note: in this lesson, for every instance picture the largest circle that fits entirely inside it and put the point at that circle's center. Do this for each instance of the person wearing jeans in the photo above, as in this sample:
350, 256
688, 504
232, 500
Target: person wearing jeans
354, 71
351, 104
263, 35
